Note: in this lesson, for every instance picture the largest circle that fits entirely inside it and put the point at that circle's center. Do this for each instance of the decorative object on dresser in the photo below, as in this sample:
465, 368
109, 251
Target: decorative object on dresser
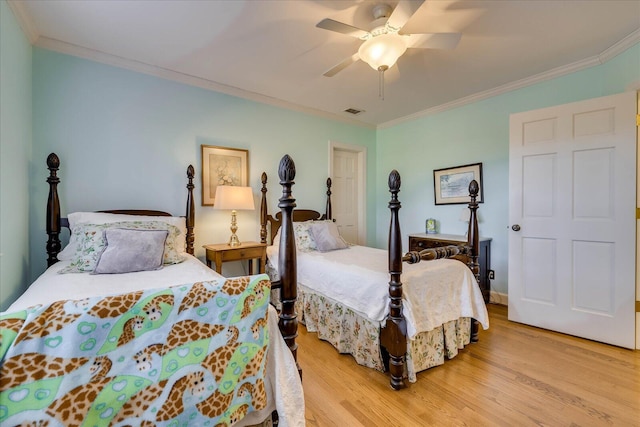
249, 251
234, 198
222, 166
431, 226
420, 241
451, 185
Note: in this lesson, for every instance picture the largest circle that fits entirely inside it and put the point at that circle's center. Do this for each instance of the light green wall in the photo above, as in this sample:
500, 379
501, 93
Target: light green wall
479, 132
125, 139
15, 156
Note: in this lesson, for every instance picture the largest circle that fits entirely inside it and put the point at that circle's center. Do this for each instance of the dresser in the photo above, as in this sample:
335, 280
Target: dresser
420, 241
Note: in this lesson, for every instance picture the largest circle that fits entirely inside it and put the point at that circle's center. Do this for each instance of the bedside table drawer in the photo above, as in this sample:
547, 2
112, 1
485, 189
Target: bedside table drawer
242, 254
246, 251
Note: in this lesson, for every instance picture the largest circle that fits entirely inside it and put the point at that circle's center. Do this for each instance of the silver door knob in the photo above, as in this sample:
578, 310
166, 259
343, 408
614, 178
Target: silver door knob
515, 227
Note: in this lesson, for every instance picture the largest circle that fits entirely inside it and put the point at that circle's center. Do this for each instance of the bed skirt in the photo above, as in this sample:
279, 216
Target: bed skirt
351, 333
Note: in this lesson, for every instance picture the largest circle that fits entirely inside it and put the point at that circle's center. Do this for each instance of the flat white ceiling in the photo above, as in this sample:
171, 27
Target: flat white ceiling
271, 51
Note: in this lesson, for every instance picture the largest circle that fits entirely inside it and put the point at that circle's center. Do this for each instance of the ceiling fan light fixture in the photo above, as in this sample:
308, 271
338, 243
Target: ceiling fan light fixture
382, 51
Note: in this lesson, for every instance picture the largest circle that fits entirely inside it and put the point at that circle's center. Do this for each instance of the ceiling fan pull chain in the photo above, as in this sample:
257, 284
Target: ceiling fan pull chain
381, 70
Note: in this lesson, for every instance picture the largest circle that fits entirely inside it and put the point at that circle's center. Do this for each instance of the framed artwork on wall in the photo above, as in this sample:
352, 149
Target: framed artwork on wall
451, 185
222, 166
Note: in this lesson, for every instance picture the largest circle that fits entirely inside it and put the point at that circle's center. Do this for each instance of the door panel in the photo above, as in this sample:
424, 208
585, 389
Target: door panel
572, 175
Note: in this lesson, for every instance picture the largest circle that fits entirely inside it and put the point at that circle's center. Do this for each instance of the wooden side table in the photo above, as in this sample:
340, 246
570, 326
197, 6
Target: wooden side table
249, 251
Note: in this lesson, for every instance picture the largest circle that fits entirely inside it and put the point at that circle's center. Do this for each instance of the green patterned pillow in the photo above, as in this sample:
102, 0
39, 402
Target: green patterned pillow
304, 239
90, 243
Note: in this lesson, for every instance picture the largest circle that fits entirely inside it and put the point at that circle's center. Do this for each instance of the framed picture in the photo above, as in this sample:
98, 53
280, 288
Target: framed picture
451, 185
222, 166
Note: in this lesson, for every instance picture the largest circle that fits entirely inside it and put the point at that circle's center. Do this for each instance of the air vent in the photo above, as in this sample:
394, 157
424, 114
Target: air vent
353, 111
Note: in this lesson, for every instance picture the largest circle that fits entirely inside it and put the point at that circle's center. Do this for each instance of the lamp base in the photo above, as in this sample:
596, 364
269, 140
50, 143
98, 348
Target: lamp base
234, 241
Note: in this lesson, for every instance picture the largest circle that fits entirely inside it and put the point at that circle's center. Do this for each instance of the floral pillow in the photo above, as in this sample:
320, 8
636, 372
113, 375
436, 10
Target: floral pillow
303, 237
90, 243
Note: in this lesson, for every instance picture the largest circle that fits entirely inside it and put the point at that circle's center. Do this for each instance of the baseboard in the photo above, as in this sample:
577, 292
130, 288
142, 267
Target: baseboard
498, 298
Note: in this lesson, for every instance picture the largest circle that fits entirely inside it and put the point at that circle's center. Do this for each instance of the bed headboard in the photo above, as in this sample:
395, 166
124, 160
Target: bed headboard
269, 225
55, 222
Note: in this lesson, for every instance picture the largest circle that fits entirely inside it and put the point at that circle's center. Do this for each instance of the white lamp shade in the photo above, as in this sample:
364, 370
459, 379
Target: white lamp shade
231, 197
382, 50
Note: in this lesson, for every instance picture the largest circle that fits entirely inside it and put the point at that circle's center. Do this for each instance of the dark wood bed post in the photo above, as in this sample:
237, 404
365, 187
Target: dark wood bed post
263, 209
473, 241
328, 213
394, 335
53, 211
191, 209
473, 238
287, 260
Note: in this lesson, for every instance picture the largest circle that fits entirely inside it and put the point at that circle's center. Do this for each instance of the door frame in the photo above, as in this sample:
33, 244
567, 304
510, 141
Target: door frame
361, 152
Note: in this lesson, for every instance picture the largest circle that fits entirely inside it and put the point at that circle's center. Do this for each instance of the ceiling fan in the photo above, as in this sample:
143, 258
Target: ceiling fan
386, 41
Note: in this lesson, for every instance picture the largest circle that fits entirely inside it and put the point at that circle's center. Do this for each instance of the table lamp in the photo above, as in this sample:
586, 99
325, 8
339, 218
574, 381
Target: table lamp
233, 198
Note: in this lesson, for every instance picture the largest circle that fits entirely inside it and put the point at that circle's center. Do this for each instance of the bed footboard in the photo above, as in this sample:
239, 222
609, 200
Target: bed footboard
287, 260
394, 335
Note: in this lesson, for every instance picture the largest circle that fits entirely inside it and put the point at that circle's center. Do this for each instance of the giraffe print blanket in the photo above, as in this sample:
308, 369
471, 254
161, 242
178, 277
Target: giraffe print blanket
192, 354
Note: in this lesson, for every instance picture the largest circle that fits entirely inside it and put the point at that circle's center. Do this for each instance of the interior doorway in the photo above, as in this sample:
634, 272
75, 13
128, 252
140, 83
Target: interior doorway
347, 169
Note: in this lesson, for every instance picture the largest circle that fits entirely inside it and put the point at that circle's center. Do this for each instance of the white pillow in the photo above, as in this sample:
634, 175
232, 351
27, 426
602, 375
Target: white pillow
326, 236
129, 251
76, 218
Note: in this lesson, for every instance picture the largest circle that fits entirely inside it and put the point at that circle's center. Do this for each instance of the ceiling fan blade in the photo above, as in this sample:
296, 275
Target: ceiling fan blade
445, 41
403, 11
341, 66
339, 27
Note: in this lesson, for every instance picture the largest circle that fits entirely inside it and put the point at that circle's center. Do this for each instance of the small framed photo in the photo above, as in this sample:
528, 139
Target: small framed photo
451, 185
222, 166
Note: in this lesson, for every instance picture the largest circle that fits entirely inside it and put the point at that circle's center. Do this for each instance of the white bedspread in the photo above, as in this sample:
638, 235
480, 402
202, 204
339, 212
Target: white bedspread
434, 292
285, 394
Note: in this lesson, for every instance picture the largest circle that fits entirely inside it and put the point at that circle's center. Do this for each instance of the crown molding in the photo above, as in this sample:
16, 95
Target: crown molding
600, 59
24, 20
163, 73
30, 30
620, 46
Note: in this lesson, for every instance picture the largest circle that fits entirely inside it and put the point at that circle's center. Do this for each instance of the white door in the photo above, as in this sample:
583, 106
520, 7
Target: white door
347, 169
572, 198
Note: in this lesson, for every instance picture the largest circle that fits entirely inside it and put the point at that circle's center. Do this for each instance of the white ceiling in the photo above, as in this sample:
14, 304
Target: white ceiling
271, 51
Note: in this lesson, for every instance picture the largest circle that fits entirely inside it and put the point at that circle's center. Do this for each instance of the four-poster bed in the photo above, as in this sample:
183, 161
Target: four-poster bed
140, 345
351, 299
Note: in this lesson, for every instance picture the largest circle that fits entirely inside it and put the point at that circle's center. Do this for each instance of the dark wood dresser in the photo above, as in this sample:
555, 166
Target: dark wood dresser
420, 241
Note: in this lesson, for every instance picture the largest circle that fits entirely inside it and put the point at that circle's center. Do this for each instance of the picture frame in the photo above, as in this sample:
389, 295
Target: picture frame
451, 185
222, 166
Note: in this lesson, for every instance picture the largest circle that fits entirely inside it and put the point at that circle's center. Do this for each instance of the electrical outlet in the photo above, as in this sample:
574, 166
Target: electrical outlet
492, 275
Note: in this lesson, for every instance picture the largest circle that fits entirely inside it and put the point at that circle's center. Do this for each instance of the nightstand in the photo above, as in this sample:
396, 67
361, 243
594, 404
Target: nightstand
249, 251
420, 241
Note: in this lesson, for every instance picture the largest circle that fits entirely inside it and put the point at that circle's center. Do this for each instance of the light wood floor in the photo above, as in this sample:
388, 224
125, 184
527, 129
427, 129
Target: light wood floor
515, 376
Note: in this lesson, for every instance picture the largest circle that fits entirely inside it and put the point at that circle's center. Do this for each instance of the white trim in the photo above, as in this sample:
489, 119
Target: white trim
31, 31
362, 183
24, 20
154, 70
498, 298
603, 57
